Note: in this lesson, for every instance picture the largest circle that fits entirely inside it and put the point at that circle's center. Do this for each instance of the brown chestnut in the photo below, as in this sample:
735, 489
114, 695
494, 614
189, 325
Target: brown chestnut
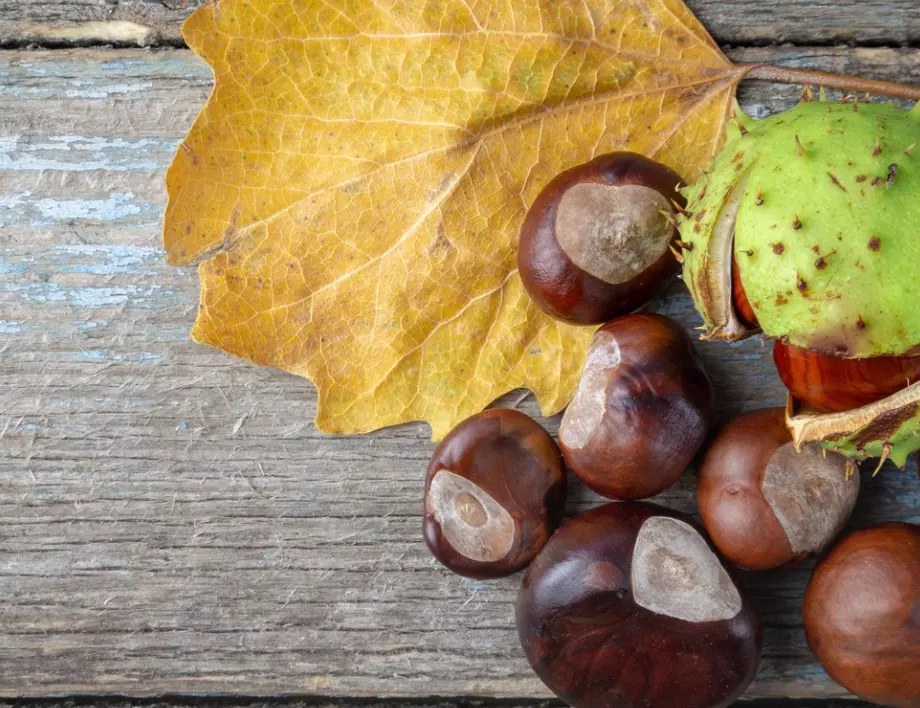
832, 384
494, 493
596, 242
862, 614
740, 302
641, 411
628, 605
765, 505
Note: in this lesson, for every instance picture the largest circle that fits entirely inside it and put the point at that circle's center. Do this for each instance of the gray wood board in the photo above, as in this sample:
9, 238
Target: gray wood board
170, 520
223, 701
739, 22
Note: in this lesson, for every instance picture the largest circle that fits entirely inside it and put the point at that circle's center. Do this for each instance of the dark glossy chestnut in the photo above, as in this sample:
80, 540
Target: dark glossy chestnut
740, 302
641, 411
765, 505
628, 606
833, 384
862, 614
494, 493
596, 241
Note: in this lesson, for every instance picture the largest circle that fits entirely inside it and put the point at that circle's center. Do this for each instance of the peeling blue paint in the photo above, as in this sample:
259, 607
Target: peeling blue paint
103, 355
8, 327
85, 326
75, 153
86, 296
110, 259
9, 268
22, 208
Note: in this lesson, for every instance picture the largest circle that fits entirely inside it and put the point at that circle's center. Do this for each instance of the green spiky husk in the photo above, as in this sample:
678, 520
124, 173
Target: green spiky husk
889, 429
826, 235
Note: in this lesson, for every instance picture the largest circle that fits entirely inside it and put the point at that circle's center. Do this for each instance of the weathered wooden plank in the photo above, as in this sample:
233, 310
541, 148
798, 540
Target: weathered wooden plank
170, 520
326, 702
736, 22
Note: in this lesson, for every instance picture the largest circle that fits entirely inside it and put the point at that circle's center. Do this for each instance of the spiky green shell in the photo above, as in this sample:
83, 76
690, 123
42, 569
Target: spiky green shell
823, 206
889, 429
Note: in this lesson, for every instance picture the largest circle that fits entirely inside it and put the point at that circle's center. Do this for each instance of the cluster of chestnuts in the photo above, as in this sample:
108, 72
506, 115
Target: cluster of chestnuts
632, 604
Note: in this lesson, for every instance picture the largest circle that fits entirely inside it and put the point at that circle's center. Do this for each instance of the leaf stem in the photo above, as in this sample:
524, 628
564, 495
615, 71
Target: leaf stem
781, 74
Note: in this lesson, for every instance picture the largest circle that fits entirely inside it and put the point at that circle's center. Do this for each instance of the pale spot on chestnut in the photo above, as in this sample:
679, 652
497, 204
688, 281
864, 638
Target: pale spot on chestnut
613, 232
764, 504
641, 410
675, 573
810, 494
585, 412
470, 510
494, 493
471, 520
628, 606
594, 244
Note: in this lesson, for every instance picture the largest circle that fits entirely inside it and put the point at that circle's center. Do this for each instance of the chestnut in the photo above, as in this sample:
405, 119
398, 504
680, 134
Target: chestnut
764, 504
832, 384
861, 614
596, 242
494, 493
742, 306
641, 410
628, 605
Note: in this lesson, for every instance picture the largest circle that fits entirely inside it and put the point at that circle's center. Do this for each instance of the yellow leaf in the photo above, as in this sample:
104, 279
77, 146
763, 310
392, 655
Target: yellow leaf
355, 184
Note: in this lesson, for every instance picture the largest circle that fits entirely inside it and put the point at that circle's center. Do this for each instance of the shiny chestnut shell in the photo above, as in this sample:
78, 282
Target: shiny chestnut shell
628, 606
641, 411
763, 503
833, 384
595, 243
862, 614
742, 306
494, 492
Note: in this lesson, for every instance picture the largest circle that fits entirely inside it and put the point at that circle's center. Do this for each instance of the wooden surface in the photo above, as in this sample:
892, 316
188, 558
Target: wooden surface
754, 22
170, 520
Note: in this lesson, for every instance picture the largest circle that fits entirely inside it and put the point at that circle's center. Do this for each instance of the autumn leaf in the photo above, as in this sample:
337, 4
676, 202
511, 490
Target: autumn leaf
355, 184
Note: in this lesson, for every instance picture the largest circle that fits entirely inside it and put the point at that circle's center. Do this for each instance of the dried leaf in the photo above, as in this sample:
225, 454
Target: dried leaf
358, 177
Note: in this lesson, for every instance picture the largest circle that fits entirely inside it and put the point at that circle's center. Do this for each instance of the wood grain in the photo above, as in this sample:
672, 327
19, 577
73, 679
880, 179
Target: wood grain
739, 22
225, 701
170, 520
